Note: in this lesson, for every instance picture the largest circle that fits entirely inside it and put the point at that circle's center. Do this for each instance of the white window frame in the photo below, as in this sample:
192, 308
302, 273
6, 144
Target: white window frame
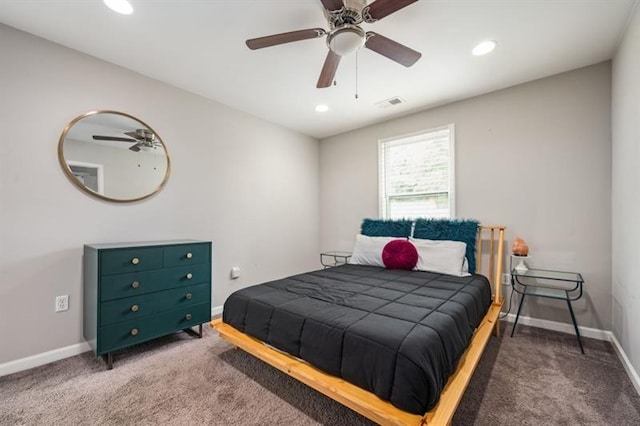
411, 138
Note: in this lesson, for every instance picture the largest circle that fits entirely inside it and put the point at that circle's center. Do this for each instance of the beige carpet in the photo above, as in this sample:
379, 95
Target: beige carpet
536, 377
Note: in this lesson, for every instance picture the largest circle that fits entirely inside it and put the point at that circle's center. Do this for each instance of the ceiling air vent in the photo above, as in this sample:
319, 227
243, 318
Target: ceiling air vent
396, 100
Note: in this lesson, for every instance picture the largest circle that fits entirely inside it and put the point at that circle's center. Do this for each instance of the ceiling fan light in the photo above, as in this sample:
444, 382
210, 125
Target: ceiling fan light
346, 40
121, 6
321, 108
484, 48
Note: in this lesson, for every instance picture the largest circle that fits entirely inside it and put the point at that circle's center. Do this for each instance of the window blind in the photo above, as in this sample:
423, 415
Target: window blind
416, 175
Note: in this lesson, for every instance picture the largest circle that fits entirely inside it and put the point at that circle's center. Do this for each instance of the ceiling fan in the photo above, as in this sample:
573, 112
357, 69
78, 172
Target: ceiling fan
142, 138
347, 36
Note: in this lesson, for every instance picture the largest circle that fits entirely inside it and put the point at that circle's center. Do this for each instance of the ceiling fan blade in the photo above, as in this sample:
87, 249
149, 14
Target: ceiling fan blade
112, 138
329, 69
275, 39
391, 49
332, 4
381, 8
136, 147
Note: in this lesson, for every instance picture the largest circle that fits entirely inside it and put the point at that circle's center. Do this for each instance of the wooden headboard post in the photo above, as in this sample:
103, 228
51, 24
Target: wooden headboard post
495, 262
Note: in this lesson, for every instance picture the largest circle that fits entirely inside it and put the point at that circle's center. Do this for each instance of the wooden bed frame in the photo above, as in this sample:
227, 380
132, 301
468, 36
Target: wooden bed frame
368, 404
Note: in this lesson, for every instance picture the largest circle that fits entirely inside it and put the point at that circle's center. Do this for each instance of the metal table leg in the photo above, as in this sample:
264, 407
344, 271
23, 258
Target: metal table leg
575, 325
517, 315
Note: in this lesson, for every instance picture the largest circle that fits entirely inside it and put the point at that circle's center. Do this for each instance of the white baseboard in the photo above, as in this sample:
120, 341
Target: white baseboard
562, 327
57, 354
43, 358
593, 333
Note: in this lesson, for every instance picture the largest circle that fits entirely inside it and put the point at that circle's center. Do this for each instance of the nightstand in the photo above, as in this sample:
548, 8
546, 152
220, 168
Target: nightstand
532, 282
329, 259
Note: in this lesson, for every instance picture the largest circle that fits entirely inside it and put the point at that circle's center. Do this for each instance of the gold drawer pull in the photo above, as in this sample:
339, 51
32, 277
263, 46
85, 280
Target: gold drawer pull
135, 284
189, 275
135, 260
189, 255
187, 317
189, 296
135, 308
134, 331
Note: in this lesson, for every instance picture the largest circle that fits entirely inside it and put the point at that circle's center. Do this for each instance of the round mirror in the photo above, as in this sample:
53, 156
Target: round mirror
113, 156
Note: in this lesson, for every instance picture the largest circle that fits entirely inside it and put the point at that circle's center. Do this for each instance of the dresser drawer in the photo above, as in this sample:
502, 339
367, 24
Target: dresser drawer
127, 333
189, 316
187, 275
130, 308
185, 296
127, 285
130, 260
186, 254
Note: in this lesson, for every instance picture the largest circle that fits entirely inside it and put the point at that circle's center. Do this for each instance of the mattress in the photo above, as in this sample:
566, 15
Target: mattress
398, 334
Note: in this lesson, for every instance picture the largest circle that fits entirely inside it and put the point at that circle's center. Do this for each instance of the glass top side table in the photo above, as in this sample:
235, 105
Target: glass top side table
329, 259
559, 285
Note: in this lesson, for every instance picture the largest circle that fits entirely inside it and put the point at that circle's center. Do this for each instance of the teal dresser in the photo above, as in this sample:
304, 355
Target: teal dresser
134, 292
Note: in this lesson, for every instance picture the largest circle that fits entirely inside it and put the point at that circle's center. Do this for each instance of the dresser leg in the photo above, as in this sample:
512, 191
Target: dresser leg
108, 358
192, 332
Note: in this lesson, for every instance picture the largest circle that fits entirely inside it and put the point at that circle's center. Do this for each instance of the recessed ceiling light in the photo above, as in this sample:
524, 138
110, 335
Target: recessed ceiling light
484, 48
120, 6
322, 108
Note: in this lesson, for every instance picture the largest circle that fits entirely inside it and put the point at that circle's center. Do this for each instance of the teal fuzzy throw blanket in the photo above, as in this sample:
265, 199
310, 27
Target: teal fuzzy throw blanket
386, 228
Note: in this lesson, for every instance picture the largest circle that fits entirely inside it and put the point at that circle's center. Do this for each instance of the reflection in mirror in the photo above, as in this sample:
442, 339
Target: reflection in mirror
113, 156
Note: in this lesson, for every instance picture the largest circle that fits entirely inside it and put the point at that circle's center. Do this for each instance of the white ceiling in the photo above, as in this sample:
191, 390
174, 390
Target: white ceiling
199, 46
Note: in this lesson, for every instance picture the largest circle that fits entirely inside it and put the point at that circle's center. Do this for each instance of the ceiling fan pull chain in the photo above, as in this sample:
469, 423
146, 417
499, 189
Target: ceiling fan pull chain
356, 96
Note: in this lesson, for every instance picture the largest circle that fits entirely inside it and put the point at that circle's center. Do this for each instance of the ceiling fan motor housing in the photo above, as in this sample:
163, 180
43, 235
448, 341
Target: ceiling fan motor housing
350, 13
146, 135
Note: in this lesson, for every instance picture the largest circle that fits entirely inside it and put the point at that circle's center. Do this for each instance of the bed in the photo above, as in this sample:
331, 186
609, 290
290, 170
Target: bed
397, 346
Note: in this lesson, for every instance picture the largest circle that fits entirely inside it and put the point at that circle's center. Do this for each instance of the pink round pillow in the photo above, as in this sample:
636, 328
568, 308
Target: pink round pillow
400, 254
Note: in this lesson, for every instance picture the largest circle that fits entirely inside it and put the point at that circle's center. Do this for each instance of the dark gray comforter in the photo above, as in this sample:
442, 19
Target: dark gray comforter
398, 334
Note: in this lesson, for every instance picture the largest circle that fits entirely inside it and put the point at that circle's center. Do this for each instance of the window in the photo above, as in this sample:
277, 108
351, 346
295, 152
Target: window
417, 175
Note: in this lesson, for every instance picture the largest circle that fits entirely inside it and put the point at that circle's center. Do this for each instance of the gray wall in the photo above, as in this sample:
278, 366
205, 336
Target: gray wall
249, 186
535, 157
626, 192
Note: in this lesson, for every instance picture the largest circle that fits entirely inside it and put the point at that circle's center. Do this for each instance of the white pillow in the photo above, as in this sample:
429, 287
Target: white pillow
368, 250
441, 256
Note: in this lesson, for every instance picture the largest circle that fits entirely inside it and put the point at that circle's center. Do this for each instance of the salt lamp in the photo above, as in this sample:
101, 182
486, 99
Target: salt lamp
520, 248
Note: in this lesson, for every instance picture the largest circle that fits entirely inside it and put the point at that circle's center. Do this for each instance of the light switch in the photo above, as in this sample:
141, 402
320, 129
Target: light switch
235, 272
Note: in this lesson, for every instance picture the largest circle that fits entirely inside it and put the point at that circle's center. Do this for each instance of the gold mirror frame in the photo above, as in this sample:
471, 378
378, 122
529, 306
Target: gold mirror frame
76, 182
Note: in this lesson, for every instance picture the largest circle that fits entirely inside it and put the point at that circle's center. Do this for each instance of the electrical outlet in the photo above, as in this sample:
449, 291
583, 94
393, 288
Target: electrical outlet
506, 278
62, 303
